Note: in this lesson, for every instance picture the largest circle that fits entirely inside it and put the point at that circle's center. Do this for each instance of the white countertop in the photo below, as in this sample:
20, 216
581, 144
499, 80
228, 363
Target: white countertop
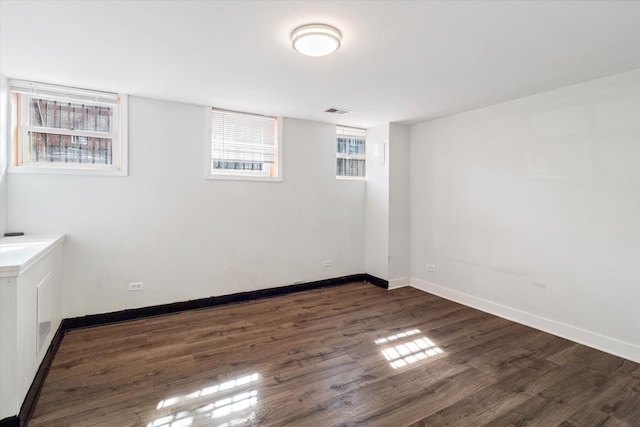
20, 252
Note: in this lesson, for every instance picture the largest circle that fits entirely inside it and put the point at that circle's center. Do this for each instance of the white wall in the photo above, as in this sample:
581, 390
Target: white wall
377, 202
398, 205
186, 237
531, 209
387, 204
4, 134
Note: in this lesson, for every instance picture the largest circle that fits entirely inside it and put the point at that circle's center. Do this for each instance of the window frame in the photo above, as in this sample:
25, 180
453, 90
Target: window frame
242, 175
20, 126
351, 156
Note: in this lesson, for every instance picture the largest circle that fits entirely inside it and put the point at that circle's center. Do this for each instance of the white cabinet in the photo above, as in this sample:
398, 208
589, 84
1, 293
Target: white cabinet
30, 311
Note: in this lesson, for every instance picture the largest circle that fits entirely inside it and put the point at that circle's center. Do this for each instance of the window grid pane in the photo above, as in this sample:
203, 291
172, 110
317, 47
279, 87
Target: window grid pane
350, 152
350, 167
68, 130
237, 165
54, 148
350, 145
72, 116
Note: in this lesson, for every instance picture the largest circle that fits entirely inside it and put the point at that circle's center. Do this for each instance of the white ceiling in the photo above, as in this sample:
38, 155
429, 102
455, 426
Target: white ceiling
403, 61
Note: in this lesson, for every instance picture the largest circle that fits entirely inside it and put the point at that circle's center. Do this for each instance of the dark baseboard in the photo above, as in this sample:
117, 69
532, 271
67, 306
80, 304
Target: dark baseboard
29, 403
157, 310
384, 284
10, 422
176, 307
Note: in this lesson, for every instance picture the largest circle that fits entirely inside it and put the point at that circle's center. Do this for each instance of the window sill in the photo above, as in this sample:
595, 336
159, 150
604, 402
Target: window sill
65, 171
351, 178
243, 178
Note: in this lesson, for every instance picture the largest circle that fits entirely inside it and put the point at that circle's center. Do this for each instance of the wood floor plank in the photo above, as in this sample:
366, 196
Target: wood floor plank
618, 404
476, 409
352, 355
591, 417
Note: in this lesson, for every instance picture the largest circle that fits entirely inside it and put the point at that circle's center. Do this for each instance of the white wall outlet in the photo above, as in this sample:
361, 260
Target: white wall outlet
136, 286
431, 267
327, 263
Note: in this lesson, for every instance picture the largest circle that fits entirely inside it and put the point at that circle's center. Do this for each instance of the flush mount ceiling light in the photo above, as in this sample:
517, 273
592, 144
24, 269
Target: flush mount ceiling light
316, 39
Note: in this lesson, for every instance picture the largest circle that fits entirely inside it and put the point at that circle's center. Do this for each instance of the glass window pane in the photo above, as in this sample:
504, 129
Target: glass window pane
53, 148
350, 167
70, 115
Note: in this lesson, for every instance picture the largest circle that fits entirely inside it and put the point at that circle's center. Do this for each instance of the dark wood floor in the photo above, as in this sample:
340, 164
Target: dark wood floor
344, 356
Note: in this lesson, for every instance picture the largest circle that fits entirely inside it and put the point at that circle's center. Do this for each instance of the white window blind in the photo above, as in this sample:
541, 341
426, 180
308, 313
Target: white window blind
244, 144
350, 152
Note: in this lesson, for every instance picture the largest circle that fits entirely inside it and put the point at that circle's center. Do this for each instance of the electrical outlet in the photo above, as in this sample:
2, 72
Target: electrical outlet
431, 267
327, 263
135, 286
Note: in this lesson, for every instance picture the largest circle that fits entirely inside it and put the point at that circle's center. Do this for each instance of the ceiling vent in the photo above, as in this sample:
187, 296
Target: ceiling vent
337, 111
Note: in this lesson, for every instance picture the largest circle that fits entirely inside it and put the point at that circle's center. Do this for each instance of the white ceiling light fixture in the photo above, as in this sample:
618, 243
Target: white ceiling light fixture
316, 39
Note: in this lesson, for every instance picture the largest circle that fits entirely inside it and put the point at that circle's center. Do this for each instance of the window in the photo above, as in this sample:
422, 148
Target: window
57, 129
350, 153
244, 146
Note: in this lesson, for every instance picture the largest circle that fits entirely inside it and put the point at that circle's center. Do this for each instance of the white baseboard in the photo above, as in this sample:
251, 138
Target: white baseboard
399, 283
581, 336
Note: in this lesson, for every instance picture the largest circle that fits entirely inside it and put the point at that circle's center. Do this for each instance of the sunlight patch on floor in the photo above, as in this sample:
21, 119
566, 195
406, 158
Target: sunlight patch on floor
401, 352
236, 398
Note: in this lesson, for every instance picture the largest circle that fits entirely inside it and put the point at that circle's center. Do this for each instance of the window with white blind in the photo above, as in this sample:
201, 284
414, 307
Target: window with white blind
244, 146
350, 153
59, 129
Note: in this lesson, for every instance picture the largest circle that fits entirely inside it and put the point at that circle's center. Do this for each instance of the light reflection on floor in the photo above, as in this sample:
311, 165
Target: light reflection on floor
401, 352
230, 404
